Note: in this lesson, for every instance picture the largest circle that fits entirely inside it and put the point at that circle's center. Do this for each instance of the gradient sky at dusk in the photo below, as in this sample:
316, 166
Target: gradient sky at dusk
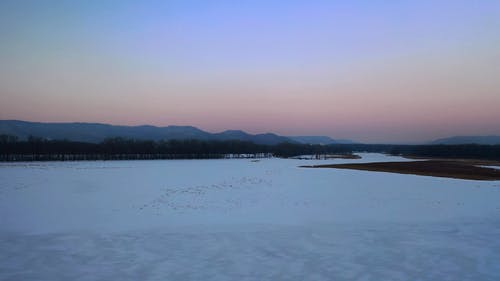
372, 71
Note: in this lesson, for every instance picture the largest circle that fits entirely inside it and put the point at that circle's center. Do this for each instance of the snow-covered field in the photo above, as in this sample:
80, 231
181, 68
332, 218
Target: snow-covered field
243, 220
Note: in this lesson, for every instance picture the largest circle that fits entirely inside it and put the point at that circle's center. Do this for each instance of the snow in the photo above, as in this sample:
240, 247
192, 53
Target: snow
234, 219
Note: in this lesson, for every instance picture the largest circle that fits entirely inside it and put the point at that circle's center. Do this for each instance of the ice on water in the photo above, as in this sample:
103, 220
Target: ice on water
242, 220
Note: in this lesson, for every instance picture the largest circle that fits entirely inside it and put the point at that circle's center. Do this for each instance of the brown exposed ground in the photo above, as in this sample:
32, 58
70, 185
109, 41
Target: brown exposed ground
342, 156
329, 156
480, 162
435, 168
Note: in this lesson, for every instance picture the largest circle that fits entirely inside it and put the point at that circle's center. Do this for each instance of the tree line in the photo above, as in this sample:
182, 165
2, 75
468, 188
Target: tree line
38, 149
460, 151
34, 148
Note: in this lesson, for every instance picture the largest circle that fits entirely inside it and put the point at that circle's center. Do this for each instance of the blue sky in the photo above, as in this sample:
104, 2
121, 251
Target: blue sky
377, 71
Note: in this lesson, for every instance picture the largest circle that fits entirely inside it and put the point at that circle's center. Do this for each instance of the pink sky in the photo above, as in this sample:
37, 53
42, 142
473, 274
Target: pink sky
407, 72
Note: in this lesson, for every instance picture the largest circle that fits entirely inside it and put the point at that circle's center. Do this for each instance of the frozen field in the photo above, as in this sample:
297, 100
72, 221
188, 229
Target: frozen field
243, 220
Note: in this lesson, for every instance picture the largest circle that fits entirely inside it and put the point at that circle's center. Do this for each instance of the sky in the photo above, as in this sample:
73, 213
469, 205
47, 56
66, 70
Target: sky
371, 71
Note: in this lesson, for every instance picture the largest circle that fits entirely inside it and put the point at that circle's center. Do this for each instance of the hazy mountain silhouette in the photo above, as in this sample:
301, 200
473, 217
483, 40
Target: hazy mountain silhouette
97, 132
319, 140
469, 140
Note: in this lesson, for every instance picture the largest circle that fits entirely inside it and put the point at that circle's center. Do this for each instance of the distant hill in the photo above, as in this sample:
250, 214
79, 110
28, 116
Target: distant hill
319, 140
469, 140
267, 138
95, 132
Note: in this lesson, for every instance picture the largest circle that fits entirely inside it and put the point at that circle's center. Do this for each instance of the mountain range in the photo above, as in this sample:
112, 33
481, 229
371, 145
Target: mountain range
469, 140
319, 140
96, 132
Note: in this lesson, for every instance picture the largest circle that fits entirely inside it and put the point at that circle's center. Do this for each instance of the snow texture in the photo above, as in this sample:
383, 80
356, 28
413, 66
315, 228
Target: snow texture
239, 219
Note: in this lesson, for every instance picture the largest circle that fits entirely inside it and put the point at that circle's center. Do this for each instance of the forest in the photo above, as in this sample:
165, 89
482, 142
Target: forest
38, 149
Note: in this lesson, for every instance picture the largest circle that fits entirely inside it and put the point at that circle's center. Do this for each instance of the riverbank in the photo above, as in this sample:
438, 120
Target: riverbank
458, 169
